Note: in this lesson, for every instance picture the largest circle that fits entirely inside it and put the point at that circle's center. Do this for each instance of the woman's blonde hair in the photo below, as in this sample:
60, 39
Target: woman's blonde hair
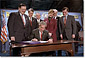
50, 11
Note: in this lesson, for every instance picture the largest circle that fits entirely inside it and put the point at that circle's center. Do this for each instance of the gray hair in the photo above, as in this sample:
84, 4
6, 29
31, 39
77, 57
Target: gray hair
38, 13
42, 23
55, 10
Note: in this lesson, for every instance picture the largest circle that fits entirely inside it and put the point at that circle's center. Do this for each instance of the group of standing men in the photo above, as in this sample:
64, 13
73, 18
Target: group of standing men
25, 28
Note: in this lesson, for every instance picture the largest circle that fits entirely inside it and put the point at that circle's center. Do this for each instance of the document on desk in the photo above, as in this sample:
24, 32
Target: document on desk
33, 42
27, 41
67, 41
43, 41
30, 42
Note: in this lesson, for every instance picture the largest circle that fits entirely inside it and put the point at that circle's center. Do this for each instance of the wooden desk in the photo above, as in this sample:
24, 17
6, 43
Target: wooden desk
27, 49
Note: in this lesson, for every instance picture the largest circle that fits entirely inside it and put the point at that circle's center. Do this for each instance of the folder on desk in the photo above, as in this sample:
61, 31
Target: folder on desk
33, 42
30, 42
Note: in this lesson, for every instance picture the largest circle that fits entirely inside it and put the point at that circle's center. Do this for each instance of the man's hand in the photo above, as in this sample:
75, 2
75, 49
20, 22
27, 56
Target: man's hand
73, 35
50, 40
34, 39
13, 38
61, 36
50, 34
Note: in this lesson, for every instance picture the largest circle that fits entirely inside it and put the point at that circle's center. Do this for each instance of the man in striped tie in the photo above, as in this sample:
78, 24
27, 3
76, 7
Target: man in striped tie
33, 21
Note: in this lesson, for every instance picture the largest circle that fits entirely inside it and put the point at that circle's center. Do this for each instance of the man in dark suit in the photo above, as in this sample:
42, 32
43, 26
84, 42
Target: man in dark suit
40, 34
77, 30
57, 31
38, 17
57, 18
33, 21
67, 26
18, 26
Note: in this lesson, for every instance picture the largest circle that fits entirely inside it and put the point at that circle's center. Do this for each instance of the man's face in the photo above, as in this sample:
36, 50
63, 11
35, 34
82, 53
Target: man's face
55, 13
42, 28
65, 12
38, 16
30, 13
22, 9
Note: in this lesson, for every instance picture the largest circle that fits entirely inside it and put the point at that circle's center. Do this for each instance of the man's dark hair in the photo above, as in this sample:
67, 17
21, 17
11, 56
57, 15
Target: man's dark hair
21, 5
31, 9
65, 8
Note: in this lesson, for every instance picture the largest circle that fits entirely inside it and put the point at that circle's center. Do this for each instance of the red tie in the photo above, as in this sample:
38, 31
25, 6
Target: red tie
41, 35
65, 21
30, 22
23, 20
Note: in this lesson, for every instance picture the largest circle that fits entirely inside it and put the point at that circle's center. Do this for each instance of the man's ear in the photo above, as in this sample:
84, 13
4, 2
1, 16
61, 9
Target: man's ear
18, 8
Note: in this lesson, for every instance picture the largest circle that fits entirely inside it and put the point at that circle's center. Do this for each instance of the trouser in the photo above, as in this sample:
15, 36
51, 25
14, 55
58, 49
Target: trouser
16, 52
73, 45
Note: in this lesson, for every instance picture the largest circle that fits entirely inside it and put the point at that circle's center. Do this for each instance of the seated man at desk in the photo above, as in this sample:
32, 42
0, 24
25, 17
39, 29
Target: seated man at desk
40, 34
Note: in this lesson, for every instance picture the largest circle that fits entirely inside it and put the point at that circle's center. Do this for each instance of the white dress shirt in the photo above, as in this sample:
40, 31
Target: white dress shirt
38, 20
23, 18
30, 18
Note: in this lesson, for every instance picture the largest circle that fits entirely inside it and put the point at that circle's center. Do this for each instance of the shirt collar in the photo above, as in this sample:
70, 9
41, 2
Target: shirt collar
40, 32
66, 16
38, 19
31, 18
21, 14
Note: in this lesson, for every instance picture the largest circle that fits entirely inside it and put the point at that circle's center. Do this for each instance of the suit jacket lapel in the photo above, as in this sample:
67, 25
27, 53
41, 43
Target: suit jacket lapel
26, 19
62, 21
32, 20
41, 20
20, 19
38, 34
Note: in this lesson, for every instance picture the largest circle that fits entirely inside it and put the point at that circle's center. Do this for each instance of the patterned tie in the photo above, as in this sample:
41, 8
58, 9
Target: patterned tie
41, 36
30, 21
65, 21
23, 20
